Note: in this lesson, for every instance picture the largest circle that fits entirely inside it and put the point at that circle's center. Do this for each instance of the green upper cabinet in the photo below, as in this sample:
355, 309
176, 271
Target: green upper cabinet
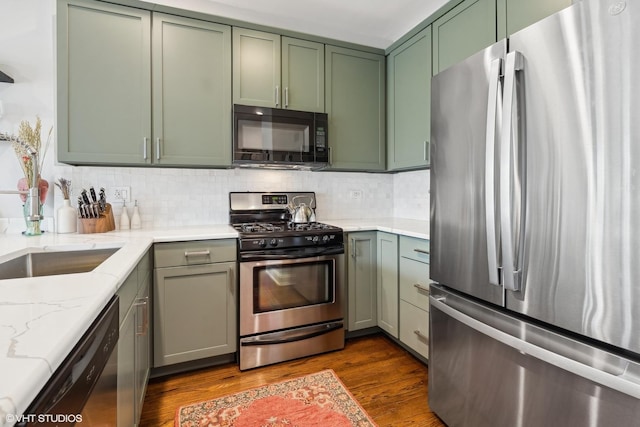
302, 75
104, 83
409, 103
256, 68
274, 71
355, 103
191, 92
467, 28
106, 77
514, 15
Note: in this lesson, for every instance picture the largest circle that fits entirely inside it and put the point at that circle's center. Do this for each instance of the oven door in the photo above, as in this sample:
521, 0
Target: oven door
288, 293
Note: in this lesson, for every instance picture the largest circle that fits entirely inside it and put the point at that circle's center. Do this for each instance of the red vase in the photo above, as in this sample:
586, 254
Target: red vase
43, 186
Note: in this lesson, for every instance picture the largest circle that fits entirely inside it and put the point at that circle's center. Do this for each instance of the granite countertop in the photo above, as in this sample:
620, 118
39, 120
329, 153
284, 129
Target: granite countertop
42, 318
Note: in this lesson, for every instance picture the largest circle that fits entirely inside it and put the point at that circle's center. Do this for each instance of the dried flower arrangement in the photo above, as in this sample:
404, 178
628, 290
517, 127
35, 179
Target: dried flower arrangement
65, 186
32, 137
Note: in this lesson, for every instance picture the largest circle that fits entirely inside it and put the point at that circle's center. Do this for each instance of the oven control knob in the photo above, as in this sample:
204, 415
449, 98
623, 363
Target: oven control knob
262, 243
273, 242
325, 239
315, 239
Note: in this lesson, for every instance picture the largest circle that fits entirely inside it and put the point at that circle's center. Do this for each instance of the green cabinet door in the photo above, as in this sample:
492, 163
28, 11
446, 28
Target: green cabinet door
256, 68
387, 265
361, 280
409, 103
464, 30
302, 75
198, 299
355, 103
514, 15
104, 83
191, 92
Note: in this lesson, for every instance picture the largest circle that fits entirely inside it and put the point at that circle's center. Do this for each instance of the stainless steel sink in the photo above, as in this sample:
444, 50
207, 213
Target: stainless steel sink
51, 263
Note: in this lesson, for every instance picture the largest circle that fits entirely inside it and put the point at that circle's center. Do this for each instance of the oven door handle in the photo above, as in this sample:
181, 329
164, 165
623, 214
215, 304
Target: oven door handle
291, 336
270, 255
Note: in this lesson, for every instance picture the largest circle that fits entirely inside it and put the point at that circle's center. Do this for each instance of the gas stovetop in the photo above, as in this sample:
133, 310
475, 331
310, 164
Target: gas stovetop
264, 222
282, 227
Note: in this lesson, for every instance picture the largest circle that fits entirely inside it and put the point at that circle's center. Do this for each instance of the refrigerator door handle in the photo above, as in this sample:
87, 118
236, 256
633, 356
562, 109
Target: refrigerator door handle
620, 381
494, 114
511, 273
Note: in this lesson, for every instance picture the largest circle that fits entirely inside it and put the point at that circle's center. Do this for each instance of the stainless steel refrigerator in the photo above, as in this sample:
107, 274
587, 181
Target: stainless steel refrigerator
535, 226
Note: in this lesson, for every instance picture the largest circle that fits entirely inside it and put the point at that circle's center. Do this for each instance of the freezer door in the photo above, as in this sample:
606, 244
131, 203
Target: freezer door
487, 368
461, 213
579, 122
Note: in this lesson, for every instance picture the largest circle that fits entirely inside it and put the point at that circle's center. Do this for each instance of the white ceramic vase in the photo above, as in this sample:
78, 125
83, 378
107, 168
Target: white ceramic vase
67, 218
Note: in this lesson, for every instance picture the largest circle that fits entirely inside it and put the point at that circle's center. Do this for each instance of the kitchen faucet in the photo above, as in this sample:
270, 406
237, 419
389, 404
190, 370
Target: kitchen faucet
33, 194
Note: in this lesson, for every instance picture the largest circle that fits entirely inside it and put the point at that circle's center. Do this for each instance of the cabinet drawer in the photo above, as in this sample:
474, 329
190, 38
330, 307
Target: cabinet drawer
195, 252
414, 282
413, 248
414, 328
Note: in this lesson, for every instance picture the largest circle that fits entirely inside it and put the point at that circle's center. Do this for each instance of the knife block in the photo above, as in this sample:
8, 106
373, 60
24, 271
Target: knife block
105, 223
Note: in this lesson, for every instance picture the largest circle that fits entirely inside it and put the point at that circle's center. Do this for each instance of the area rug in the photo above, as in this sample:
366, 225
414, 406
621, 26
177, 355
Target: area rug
316, 400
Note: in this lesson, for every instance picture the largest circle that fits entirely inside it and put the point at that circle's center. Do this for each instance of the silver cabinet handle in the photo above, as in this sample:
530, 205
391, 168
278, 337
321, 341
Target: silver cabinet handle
490, 169
286, 97
511, 273
144, 148
420, 287
330, 156
157, 148
277, 95
197, 253
421, 251
421, 335
232, 279
426, 151
142, 328
353, 248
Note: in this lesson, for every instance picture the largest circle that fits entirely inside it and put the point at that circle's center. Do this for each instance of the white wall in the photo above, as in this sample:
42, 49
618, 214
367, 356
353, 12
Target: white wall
165, 196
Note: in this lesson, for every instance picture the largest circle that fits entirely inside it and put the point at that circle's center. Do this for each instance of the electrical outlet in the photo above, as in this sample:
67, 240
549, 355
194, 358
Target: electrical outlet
121, 194
355, 194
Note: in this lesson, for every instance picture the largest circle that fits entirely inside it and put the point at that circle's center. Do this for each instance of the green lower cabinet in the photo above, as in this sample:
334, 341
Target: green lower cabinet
409, 103
362, 280
191, 92
355, 103
134, 343
414, 294
194, 306
464, 30
387, 265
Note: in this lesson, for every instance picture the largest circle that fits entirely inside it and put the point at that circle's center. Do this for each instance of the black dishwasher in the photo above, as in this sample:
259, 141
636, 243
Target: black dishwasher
83, 389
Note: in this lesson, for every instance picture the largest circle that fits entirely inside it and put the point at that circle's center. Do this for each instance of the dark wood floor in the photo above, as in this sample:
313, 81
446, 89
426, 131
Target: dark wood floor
389, 383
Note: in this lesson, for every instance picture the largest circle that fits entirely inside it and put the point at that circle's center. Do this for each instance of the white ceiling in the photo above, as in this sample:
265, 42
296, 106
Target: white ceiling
376, 23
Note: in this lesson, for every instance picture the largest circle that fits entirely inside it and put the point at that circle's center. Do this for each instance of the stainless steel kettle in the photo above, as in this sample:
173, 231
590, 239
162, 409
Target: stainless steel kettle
301, 213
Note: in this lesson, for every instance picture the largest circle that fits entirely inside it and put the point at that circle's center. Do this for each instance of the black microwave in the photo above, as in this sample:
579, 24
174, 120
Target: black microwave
278, 138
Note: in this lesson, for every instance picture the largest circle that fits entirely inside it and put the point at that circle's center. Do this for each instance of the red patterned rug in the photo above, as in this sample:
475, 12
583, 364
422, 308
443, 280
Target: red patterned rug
318, 399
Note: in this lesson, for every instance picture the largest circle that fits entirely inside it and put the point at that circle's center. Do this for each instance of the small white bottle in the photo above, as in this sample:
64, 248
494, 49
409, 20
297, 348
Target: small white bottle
135, 219
124, 218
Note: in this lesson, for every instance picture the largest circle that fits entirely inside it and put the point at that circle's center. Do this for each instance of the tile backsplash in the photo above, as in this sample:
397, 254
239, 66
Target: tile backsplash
168, 197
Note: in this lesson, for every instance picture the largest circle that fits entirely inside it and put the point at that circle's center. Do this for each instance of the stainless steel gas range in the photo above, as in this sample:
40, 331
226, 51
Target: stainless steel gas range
291, 279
